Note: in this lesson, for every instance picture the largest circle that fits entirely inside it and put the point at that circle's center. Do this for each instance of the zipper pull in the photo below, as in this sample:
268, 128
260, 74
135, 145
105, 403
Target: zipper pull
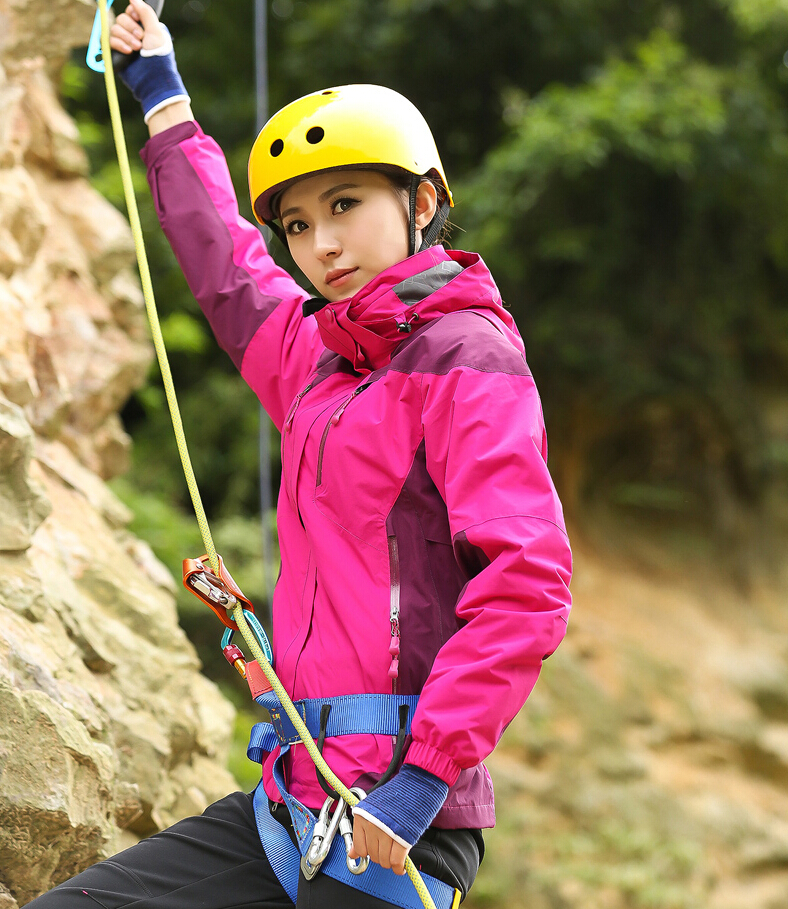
394, 649
338, 413
294, 408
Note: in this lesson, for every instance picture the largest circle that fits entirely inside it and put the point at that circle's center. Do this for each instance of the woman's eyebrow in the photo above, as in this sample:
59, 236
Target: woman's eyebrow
288, 211
336, 189
341, 187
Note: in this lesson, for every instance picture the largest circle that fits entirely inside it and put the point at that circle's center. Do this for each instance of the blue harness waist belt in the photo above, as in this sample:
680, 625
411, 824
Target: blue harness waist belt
377, 714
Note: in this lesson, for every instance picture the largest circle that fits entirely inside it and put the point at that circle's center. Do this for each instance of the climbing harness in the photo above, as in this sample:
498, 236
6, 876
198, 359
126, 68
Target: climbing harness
291, 723
378, 714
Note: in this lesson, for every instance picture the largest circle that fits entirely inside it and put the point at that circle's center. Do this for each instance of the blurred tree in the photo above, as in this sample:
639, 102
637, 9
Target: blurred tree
642, 244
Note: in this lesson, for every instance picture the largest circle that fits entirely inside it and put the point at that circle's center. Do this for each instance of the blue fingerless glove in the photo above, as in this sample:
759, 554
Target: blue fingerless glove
406, 805
154, 79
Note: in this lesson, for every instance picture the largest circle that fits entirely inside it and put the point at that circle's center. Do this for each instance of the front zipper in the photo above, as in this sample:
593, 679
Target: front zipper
335, 417
394, 611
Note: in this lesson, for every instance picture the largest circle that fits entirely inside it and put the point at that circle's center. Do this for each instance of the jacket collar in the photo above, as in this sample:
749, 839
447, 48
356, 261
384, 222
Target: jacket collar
367, 327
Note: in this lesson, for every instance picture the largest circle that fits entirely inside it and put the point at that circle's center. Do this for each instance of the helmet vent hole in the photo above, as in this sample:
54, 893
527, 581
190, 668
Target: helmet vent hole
315, 135
277, 147
329, 92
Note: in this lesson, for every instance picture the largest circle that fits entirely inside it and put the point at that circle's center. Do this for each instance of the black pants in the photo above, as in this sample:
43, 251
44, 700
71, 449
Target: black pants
216, 861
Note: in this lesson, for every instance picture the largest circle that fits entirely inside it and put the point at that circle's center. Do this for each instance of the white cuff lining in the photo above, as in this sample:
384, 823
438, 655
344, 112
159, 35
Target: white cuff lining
165, 103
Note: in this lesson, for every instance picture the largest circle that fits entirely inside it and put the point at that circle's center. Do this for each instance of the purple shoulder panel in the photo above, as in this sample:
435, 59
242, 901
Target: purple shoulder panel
465, 338
221, 255
470, 558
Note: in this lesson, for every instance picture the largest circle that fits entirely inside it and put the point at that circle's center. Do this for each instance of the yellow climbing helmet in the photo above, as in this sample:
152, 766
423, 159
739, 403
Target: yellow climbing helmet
346, 126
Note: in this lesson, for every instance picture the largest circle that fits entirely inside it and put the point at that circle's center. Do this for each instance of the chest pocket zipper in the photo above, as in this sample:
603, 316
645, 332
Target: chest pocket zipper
335, 418
294, 407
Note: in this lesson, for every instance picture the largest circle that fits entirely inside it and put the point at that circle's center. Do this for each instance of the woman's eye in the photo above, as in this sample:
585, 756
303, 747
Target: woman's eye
294, 228
343, 205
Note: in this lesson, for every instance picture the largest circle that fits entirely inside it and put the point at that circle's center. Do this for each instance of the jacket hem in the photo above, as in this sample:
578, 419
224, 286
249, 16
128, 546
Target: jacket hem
470, 817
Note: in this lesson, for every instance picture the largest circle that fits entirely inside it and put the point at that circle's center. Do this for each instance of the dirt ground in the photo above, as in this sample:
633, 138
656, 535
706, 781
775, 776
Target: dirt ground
650, 766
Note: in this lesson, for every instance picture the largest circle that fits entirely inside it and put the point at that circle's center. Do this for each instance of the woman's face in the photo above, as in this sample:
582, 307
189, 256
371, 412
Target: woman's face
344, 227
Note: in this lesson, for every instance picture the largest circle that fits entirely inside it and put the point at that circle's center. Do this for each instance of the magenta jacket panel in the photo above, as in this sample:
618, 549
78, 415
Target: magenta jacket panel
415, 493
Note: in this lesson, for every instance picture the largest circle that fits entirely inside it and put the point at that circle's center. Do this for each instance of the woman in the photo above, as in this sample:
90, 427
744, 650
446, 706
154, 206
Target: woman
423, 549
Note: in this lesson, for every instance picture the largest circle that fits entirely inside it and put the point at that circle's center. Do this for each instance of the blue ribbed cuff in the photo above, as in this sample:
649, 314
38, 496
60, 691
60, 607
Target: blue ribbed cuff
154, 80
408, 803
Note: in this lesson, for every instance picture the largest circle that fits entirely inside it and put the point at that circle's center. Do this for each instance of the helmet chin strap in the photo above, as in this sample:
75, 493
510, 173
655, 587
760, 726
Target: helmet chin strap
414, 188
431, 231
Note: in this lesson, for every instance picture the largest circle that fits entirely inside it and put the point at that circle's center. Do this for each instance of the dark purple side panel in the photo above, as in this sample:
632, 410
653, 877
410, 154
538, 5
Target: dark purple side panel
431, 581
430, 578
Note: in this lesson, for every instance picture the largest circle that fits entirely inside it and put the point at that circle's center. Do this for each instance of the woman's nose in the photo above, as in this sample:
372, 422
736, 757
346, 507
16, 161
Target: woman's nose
326, 242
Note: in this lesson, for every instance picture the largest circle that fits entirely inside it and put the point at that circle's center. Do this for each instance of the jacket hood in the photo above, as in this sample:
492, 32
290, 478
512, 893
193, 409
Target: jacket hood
367, 327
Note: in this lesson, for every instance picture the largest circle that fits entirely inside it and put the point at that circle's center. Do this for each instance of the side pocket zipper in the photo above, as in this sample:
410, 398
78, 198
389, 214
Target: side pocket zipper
394, 611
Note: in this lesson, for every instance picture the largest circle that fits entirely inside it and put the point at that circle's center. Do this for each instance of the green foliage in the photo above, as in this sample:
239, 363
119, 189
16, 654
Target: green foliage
183, 333
657, 109
635, 224
757, 16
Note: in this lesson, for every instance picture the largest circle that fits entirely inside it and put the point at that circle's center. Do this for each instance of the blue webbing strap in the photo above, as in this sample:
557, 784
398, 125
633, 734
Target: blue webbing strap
351, 714
382, 883
281, 852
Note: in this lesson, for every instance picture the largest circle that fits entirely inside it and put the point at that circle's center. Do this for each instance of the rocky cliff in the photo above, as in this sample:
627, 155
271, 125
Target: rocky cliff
107, 729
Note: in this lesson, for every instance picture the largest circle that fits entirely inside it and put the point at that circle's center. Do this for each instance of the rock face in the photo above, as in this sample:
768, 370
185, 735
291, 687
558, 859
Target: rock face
107, 729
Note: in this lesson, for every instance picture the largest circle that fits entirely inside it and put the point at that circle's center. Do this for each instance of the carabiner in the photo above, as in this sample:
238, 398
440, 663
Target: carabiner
94, 57
354, 866
322, 837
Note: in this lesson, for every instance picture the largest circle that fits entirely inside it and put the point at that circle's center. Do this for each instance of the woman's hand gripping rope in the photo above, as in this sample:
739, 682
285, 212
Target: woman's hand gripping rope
153, 77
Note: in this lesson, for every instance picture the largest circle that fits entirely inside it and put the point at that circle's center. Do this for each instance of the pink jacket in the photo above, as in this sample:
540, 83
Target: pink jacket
415, 489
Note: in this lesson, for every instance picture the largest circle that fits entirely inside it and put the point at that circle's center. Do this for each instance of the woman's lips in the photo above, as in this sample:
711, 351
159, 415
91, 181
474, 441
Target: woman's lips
339, 276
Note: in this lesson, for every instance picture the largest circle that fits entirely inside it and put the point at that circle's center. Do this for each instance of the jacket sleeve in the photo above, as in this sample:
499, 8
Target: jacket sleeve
252, 305
486, 452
